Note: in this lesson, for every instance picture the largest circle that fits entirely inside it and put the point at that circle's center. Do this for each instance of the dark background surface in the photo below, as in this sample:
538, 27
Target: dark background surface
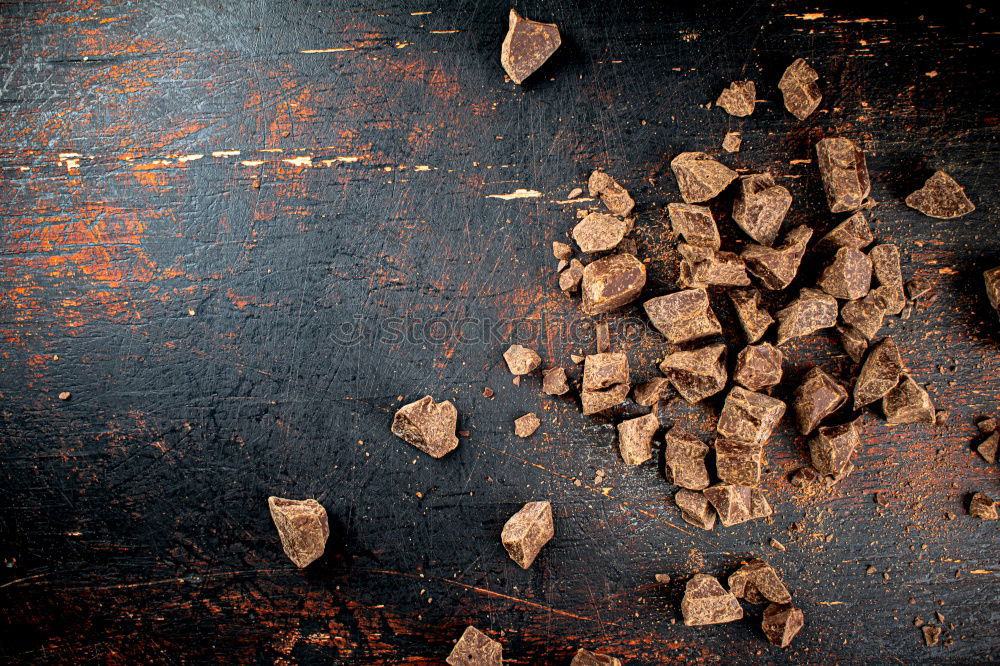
195, 303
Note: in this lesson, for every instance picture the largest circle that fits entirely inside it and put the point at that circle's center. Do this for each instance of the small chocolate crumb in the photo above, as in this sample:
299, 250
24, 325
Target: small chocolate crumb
917, 288
603, 336
983, 507
941, 197
561, 251
487, 392
663, 579
588, 658
65, 395
525, 426
527, 531
931, 634
992, 280
569, 279
777, 545
574, 193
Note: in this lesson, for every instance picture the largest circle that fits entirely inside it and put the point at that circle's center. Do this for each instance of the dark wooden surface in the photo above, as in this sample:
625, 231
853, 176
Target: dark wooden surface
198, 304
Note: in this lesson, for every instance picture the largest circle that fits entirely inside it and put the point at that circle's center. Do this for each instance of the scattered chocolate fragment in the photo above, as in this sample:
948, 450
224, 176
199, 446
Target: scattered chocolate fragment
612, 282
695, 224
731, 142
603, 336
695, 508
758, 582
777, 545
885, 266
651, 392
517, 380
761, 207
684, 460
707, 602
487, 392
700, 177
561, 266
758, 366
635, 438
983, 507
599, 232
303, 528
738, 462
738, 99
845, 173
799, 88
848, 276
853, 342
662, 579
748, 416
753, 319
917, 288
527, 531
576, 358
561, 251
931, 634
832, 447
777, 267
731, 503
525, 426
569, 279
811, 311
588, 658
521, 360
527, 46
852, 232
594, 402
818, 396
702, 266
554, 381
614, 196
988, 447
781, 623
427, 425
804, 477
475, 648
603, 370
908, 402
864, 315
683, 315
696, 374
941, 417
65, 395
574, 193
941, 197
879, 374
992, 280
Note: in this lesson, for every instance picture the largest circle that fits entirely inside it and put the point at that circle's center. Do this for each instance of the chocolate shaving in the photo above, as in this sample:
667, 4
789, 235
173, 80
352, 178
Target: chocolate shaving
777, 267
700, 177
554, 381
738, 99
818, 396
758, 366
707, 602
612, 282
684, 460
753, 319
908, 402
521, 360
761, 207
885, 266
811, 311
696, 374
844, 172
748, 416
798, 85
695, 224
848, 276
879, 374
427, 425
831, 449
303, 528
852, 232
527, 46
781, 623
525, 426
941, 197
614, 196
599, 232
475, 648
635, 438
683, 315
527, 531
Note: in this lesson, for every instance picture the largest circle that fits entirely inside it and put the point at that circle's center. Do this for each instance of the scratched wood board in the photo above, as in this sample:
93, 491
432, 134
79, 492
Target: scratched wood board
238, 233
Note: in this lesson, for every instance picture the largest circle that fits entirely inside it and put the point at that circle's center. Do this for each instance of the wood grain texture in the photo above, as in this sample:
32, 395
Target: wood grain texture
237, 232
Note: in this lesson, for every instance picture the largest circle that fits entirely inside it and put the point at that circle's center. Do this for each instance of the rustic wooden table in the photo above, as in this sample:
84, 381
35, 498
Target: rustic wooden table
237, 232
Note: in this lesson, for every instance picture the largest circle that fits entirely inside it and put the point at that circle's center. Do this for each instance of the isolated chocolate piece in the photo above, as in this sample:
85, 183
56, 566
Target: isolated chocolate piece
832, 447
749, 417
651, 392
603, 370
853, 341
521, 360
941, 197
781, 623
569, 279
758, 582
811, 311
731, 503
777, 267
908, 402
753, 319
852, 232
594, 402
699, 177
917, 288
684, 459
561, 251
588, 658
758, 366
879, 374
635, 438
818, 396
525, 426
614, 196
738, 462
427, 425
885, 266
864, 315
798, 85
844, 172
554, 381
662, 578
992, 280
988, 447
527, 531
475, 648
761, 207
612, 282
527, 46
731, 142
695, 224
931, 634
599, 232
683, 315
303, 528
983, 507
696, 374
702, 266
848, 276
695, 508
707, 602
738, 99
986, 425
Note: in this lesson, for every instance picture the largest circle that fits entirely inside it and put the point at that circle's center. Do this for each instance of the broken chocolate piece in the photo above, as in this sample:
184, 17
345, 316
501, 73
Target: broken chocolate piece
844, 172
303, 528
599, 232
931, 634
475, 648
700, 177
527, 46
695, 508
612, 282
527, 531
761, 207
696, 374
594, 402
603, 336
941, 197
758, 366
561, 251
651, 392
635, 438
525, 426
986, 424
427, 425
603, 370
781, 623
758, 582
777, 267
663, 579
799, 88
879, 374
738, 99
848, 276
759, 506
908, 402
749, 417
885, 266
917, 288
707, 602
864, 315
731, 503
554, 381
852, 232
684, 460
569, 279
811, 311
702, 266
853, 342
753, 319
738, 462
983, 507
614, 196
731, 142
988, 447
683, 315
521, 360
992, 280
805, 477
832, 447
588, 658
818, 396
695, 224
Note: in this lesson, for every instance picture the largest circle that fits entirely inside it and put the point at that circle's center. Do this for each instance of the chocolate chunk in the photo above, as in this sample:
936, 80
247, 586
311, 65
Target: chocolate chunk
832, 447
707, 602
738, 99
761, 207
805, 477
683, 315
702, 266
864, 315
753, 319
527, 46
684, 460
941, 197
879, 374
574, 193
853, 341
848, 276
663, 579
594, 402
65, 395
569, 279
749, 417
818, 396
603, 370
738, 462
475, 648
603, 336
635, 438
917, 288
777, 267
525, 426
561, 251
844, 172
700, 177
992, 280
986, 424
303, 528
811, 311
731, 503
781, 623
758, 582
988, 447
612, 282
983, 507
798, 85
696, 374
427, 425
695, 508
521, 360
554, 381
651, 392
599, 232
852, 232
527, 531
885, 265
588, 658
908, 402
931, 634
758, 366
614, 196
695, 224
731, 142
